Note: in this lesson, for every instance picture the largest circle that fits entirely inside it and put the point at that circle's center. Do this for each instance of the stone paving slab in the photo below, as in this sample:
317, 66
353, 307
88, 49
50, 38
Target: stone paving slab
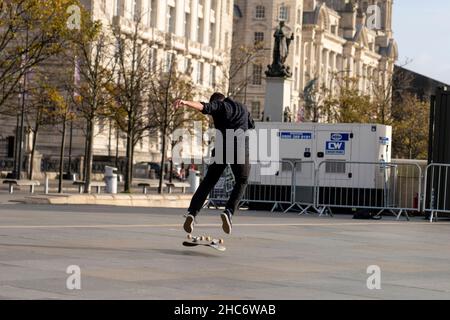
136, 253
164, 201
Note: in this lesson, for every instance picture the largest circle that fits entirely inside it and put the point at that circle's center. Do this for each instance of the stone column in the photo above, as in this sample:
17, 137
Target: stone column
161, 17
179, 17
351, 66
219, 24
318, 59
194, 20
324, 72
206, 21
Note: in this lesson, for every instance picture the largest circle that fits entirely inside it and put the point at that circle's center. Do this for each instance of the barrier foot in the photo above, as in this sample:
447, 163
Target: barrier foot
432, 216
305, 210
400, 214
242, 203
275, 206
302, 209
325, 211
379, 213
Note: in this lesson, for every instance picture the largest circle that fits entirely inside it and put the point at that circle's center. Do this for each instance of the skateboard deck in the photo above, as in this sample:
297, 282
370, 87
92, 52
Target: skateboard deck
205, 242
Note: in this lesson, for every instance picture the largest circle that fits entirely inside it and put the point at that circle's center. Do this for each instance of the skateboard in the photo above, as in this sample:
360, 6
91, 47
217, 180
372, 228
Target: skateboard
205, 241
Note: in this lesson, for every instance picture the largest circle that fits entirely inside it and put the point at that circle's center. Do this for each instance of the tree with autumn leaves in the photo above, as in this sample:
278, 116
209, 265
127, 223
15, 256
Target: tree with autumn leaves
405, 113
31, 32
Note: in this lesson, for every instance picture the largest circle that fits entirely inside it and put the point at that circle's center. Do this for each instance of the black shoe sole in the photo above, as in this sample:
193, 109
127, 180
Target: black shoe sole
226, 223
188, 224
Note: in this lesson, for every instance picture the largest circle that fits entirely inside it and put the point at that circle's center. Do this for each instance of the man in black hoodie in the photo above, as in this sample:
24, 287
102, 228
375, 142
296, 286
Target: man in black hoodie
227, 115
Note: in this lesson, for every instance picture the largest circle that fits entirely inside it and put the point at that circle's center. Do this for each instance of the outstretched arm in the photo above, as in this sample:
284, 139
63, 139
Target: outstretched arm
190, 104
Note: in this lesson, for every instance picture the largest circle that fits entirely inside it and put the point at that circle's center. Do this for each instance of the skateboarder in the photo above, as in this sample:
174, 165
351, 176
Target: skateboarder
227, 114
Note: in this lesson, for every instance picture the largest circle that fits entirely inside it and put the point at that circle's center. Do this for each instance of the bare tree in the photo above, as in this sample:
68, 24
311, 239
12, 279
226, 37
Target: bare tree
237, 73
37, 115
384, 90
94, 72
131, 90
165, 87
59, 114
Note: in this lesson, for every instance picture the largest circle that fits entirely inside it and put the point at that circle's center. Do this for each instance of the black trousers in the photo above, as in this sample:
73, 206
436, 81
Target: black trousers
241, 173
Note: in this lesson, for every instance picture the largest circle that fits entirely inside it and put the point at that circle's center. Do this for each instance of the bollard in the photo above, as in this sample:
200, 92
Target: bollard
46, 185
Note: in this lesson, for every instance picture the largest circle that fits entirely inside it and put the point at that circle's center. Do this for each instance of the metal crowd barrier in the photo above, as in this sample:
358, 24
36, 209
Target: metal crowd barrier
221, 192
437, 190
304, 190
368, 185
269, 183
299, 185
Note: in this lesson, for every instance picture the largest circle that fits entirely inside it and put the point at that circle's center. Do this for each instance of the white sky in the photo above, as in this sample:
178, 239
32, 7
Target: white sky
422, 30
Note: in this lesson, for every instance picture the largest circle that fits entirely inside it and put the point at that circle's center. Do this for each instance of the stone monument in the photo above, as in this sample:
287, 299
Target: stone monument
279, 82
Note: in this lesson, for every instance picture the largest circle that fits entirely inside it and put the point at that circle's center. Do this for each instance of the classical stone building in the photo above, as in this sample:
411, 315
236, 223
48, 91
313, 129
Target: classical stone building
332, 38
197, 33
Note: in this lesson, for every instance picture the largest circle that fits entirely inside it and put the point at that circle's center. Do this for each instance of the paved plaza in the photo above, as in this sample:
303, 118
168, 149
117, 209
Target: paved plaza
136, 253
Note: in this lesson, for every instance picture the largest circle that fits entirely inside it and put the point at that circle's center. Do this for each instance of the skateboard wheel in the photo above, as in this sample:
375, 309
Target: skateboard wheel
221, 241
189, 236
208, 239
202, 238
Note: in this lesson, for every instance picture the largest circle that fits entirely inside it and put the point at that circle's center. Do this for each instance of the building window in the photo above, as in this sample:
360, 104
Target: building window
136, 10
256, 110
171, 19
259, 38
260, 12
152, 59
187, 66
200, 73
212, 77
334, 30
200, 30
283, 13
257, 75
212, 34
153, 13
187, 26
169, 61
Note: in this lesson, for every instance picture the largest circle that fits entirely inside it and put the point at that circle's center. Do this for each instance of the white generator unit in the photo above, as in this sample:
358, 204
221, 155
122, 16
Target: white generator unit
345, 147
341, 142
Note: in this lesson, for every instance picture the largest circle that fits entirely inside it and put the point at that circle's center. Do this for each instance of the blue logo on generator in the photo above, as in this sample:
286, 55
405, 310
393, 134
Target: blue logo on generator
295, 135
340, 137
335, 148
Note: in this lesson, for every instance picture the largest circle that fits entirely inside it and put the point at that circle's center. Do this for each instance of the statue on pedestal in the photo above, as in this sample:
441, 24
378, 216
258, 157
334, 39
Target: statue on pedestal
283, 38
